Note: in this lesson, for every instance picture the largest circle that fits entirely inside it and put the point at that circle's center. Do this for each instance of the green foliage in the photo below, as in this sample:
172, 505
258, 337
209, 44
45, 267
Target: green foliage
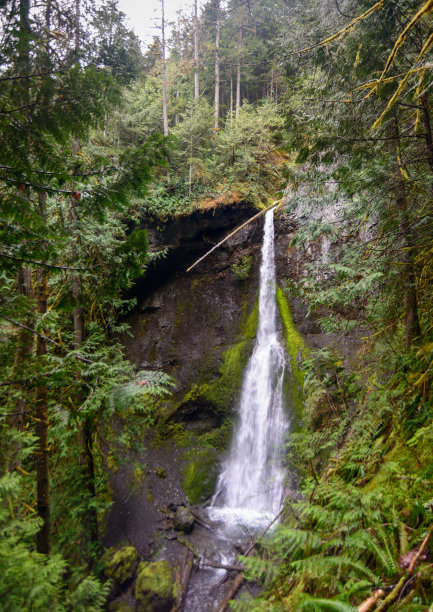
242, 269
142, 394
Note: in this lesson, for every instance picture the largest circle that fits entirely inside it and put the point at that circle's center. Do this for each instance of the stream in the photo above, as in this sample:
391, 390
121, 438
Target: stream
249, 491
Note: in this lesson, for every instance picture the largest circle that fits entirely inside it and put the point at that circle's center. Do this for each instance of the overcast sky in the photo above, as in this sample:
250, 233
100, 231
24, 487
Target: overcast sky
144, 16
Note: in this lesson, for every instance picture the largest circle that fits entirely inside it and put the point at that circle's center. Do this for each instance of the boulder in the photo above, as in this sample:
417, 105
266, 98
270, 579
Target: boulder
119, 605
183, 519
120, 565
154, 587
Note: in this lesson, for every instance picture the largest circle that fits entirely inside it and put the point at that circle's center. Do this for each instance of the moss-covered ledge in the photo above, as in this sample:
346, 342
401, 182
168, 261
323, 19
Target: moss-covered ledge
296, 348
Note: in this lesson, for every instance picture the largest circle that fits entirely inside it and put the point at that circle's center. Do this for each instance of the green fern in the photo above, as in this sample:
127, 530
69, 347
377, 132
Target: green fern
315, 604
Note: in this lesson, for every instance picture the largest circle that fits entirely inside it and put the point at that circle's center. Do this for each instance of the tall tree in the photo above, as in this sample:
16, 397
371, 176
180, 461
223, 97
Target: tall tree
164, 72
217, 65
196, 54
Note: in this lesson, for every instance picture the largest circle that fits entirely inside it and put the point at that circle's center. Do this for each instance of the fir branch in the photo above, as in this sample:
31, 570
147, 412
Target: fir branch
33, 331
45, 265
17, 77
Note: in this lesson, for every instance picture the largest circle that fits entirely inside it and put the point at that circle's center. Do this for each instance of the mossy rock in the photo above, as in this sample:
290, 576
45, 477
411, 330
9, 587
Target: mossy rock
120, 565
183, 519
119, 605
200, 474
154, 587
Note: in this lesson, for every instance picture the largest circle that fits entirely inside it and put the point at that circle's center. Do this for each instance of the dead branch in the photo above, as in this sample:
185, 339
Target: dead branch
371, 601
233, 568
200, 521
262, 212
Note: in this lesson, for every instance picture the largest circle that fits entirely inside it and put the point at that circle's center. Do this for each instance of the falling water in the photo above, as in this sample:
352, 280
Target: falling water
249, 489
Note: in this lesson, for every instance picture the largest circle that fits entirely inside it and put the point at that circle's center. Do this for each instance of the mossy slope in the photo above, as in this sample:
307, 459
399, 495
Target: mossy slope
296, 348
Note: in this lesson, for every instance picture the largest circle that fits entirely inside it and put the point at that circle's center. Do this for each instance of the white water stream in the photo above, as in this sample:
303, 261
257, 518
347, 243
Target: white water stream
250, 486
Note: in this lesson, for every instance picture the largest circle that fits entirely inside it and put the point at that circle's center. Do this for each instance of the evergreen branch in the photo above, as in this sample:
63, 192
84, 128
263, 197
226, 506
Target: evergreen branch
44, 103
36, 333
31, 76
75, 173
43, 264
37, 187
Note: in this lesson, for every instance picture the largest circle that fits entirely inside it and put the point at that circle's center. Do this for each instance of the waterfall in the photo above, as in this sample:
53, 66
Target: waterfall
250, 486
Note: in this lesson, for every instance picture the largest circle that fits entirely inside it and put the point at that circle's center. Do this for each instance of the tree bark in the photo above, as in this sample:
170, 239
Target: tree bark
217, 67
25, 344
164, 72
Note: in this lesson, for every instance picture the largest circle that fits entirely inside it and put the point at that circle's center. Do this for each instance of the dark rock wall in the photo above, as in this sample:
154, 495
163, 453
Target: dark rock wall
186, 320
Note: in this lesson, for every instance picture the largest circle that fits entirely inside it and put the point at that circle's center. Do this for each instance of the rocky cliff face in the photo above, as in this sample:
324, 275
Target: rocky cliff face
185, 320
198, 326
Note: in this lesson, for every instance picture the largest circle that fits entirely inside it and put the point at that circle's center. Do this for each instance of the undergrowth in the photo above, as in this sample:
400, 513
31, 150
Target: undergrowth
361, 526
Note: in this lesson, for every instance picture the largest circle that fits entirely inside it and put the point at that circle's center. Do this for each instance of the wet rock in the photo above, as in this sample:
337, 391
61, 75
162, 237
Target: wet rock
183, 520
120, 565
119, 605
154, 588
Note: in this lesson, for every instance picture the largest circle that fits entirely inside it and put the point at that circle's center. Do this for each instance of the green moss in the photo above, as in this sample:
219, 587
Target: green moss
218, 438
199, 474
296, 349
154, 588
234, 361
401, 460
119, 605
222, 392
178, 321
120, 565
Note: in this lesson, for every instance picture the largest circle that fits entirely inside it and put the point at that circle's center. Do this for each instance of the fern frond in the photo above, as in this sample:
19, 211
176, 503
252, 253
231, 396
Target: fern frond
315, 604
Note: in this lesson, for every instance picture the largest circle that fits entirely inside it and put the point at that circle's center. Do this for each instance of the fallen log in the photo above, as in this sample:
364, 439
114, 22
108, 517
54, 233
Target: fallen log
262, 212
200, 521
185, 576
234, 568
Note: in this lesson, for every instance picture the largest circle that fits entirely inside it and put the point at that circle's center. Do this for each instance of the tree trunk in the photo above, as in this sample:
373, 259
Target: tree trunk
412, 326
231, 98
48, 24
196, 80
77, 26
25, 345
217, 67
42, 459
238, 76
164, 73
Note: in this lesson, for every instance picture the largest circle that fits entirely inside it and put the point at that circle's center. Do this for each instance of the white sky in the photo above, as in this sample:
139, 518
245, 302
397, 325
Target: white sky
144, 16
